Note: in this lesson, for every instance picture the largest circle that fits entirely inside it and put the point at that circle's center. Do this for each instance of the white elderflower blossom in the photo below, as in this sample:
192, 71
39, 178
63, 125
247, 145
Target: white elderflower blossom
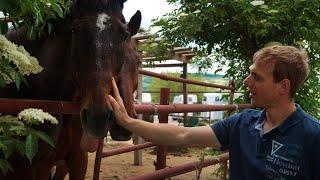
183, 14
197, 11
26, 63
175, 29
257, 3
36, 116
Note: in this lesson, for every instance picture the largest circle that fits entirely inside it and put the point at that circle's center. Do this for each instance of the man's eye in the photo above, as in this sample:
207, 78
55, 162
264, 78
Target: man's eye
257, 78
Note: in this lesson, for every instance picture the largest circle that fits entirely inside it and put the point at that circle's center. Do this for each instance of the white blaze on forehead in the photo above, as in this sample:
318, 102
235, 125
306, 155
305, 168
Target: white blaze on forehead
102, 21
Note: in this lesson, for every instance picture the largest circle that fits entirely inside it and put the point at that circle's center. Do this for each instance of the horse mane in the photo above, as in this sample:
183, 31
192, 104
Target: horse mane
100, 5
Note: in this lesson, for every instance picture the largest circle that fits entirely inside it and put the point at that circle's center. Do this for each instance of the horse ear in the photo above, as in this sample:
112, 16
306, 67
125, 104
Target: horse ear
134, 23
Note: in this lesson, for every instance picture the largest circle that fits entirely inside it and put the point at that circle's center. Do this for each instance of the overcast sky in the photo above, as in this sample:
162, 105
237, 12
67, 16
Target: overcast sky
150, 9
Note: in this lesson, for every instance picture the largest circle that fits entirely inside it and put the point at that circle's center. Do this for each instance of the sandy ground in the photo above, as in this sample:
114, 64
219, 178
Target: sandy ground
121, 166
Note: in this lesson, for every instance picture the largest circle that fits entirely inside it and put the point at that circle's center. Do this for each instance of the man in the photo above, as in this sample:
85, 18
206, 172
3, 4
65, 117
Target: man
280, 142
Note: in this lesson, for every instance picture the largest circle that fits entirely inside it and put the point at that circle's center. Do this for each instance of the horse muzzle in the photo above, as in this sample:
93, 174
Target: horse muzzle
96, 120
119, 133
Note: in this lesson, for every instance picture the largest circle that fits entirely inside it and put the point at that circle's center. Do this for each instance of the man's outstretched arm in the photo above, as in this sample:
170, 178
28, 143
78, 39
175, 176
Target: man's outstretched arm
166, 134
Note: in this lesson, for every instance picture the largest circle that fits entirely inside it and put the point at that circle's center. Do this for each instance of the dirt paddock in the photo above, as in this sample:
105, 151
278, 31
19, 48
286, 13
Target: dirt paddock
122, 167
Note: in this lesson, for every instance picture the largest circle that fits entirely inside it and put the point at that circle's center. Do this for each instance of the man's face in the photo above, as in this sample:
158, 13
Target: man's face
264, 92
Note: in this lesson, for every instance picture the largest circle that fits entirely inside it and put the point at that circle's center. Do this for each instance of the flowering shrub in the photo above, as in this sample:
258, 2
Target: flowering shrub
36, 116
14, 129
15, 62
17, 133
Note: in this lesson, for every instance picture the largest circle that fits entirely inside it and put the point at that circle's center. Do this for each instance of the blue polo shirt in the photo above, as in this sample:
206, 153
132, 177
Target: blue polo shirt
289, 151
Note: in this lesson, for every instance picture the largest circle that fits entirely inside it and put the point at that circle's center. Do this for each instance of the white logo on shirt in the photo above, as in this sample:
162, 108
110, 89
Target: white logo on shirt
275, 147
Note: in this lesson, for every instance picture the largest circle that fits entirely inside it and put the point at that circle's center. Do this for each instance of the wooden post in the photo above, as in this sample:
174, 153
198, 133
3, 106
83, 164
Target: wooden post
136, 139
225, 163
185, 93
138, 153
97, 162
163, 118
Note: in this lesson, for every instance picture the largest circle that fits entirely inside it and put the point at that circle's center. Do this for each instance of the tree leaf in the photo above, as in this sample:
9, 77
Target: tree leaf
2, 81
43, 136
49, 28
12, 145
3, 27
17, 80
4, 4
31, 33
5, 166
31, 146
57, 9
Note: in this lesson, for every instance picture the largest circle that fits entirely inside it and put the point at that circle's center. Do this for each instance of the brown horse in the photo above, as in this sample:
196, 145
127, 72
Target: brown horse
85, 50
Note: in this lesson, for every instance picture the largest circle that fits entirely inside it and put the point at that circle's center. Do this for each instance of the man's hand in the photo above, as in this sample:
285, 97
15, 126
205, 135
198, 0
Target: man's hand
118, 106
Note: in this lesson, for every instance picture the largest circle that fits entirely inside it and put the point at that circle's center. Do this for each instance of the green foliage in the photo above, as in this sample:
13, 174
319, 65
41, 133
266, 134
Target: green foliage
20, 137
6, 68
5, 166
212, 153
31, 146
160, 50
228, 32
41, 135
36, 15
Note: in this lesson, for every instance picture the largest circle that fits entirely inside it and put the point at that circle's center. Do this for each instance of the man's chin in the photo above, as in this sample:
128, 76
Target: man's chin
258, 104
255, 102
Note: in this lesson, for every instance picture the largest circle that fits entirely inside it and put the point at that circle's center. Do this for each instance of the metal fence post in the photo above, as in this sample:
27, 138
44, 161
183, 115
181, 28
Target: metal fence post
231, 98
97, 162
163, 118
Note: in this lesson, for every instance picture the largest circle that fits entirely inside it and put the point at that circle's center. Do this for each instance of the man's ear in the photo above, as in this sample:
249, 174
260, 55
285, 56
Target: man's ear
285, 86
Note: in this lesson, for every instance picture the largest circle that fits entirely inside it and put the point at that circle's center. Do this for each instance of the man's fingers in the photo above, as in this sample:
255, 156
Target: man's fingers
115, 90
109, 106
114, 103
118, 108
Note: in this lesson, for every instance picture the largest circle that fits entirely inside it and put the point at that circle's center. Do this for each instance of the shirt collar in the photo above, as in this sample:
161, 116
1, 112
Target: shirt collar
260, 116
291, 120
260, 122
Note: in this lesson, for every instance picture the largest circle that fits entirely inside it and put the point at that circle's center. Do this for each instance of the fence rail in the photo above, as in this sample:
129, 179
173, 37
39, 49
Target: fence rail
188, 81
10, 106
181, 169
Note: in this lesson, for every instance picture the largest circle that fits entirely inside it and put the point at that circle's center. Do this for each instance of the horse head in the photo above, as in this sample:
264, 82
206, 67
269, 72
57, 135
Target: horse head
101, 49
